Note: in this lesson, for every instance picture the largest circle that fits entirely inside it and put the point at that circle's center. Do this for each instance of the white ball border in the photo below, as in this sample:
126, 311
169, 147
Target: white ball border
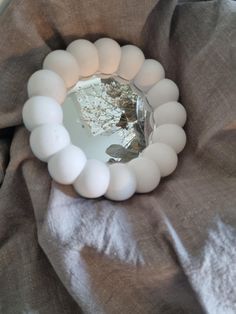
148, 100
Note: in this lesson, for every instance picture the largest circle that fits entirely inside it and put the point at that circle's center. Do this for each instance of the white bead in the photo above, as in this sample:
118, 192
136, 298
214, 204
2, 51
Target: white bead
163, 155
48, 139
93, 180
64, 64
40, 110
109, 53
170, 134
65, 166
147, 174
162, 92
131, 61
122, 182
47, 83
86, 55
172, 112
150, 73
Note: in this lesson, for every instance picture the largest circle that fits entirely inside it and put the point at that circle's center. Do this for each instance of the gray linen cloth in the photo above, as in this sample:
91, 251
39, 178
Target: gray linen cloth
171, 251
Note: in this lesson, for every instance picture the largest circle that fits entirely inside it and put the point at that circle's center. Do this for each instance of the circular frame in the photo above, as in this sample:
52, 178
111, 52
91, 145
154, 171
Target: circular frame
50, 141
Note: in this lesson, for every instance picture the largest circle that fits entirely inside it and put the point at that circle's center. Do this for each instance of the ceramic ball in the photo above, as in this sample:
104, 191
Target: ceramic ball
131, 60
122, 182
109, 53
147, 174
162, 92
150, 73
65, 166
170, 134
172, 112
93, 180
47, 83
163, 155
86, 55
48, 139
64, 64
40, 110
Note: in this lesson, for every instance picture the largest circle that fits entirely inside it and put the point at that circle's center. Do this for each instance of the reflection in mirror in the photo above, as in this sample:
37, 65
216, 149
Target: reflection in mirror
106, 119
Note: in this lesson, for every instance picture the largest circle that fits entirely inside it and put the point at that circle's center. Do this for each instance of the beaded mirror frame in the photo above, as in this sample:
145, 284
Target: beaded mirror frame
50, 141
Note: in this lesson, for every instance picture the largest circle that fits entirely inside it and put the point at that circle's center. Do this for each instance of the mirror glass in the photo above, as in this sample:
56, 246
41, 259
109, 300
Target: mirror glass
106, 119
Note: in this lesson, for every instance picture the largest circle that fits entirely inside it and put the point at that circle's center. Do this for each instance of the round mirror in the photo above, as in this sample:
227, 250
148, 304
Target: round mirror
122, 105
106, 119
